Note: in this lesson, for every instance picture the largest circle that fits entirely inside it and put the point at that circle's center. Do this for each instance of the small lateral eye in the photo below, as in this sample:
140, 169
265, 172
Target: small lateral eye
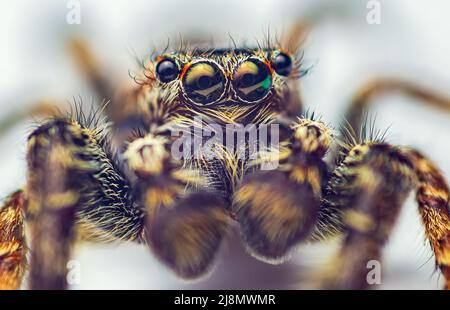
282, 63
167, 70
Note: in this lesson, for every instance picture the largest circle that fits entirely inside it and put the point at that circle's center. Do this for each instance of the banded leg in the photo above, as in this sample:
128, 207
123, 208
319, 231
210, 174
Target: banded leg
434, 205
184, 228
55, 168
277, 209
13, 245
70, 179
370, 186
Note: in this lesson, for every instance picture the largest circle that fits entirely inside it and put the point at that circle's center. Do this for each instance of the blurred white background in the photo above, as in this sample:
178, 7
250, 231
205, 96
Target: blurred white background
411, 42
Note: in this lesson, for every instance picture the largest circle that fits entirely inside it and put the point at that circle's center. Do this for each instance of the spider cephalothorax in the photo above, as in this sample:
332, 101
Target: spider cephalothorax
149, 178
226, 85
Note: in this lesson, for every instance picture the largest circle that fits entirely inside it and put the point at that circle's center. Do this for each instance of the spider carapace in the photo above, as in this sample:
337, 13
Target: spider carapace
170, 169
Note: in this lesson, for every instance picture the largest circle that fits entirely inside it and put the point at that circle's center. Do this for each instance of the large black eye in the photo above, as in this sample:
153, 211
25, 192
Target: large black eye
203, 82
252, 80
167, 70
282, 63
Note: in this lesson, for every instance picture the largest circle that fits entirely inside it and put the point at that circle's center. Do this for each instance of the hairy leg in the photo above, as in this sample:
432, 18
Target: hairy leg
185, 224
13, 245
53, 196
72, 180
356, 132
433, 198
277, 209
369, 187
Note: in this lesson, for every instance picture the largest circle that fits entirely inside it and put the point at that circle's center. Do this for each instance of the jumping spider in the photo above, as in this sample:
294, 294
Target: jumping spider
118, 181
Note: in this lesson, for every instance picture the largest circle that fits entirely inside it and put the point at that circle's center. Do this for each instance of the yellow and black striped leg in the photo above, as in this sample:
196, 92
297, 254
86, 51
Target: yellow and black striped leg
13, 247
434, 205
277, 209
184, 228
56, 164
370, 187
72, 183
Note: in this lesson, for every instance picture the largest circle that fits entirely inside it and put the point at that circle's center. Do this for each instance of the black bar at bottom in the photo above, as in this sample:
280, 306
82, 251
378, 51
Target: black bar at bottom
222, 299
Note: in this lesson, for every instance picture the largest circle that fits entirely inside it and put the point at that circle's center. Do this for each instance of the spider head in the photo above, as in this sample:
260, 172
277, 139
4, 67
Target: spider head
226, 80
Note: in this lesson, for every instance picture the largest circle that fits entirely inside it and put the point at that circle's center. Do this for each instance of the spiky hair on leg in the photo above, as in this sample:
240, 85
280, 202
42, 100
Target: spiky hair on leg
367, 134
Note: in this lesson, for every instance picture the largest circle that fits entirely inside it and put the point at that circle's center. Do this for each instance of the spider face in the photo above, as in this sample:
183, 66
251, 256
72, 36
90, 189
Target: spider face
224, 81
